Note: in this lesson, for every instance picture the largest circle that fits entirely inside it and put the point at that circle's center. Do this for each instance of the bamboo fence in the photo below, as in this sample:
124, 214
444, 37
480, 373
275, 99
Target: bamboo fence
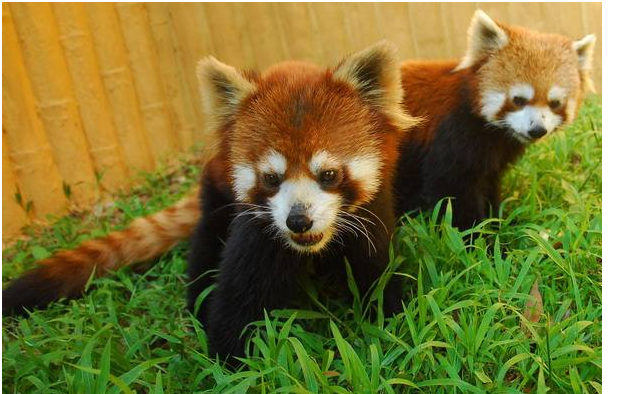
94, 93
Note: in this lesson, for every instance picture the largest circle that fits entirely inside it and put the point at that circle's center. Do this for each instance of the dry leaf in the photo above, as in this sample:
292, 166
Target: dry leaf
330, 374
533, 307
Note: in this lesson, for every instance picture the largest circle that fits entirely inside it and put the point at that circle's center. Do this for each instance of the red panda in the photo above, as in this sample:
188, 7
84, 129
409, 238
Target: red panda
512, 87
303, 173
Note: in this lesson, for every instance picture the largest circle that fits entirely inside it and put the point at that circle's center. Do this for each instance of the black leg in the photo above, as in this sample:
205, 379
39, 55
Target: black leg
369, 257
256, 273
207, 244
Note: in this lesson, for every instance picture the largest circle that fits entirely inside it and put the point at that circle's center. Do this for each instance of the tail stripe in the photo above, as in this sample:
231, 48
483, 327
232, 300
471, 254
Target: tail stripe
65, 274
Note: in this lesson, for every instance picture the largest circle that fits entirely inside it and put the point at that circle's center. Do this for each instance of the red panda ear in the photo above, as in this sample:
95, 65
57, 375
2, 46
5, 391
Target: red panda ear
222, 88
375, 74
484, 38
585, 52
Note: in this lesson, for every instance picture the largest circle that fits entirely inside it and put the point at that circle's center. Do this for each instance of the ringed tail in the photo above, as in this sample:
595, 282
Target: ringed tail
66, 273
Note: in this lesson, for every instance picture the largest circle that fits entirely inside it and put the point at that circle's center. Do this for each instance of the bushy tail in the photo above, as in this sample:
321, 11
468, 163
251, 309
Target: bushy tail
65, 274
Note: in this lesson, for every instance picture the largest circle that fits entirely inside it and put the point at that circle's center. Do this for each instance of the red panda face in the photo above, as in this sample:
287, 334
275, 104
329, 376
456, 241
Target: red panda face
308, 147
309, 152
527, 82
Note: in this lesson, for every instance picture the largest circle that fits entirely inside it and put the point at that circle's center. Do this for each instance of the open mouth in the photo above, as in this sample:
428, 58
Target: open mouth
307, 239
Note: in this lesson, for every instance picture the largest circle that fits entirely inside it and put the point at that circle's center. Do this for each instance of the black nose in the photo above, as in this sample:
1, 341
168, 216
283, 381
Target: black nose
537, 132
297, 220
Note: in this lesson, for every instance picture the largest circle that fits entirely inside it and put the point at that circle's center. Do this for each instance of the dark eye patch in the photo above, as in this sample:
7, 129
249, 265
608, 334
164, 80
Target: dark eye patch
554, 104
329, 178
519, 101
272, 180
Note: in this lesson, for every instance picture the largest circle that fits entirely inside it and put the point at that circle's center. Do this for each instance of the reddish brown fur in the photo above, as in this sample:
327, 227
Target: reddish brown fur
419, 79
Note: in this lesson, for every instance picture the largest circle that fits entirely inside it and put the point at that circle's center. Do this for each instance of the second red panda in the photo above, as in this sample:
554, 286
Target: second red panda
513, 87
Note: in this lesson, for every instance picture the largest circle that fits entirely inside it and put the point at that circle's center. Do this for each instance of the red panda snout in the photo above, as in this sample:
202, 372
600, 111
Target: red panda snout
528, 114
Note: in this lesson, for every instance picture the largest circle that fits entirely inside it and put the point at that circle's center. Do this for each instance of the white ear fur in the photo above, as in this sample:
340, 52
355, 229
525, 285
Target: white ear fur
375, 74
222, 88
484, 38
585, 51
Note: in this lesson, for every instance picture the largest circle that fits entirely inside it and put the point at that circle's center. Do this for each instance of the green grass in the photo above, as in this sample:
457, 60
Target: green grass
463, 328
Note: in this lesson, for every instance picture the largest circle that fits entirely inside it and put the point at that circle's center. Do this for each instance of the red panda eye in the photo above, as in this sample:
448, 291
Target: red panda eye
554, 104
519, 101
272, 180
328, 177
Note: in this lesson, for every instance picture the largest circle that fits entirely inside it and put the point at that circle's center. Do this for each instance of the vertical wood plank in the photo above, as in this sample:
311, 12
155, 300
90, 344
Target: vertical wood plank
362, 23
13, 215
227, 28
176, 87
43, 56
395, 26
134, 22
457, 18
530, 15
297, 32
89, 90
328, 19
119, 84
263, 32
592, 20
26, 142
427, 24
498, 11
192, 32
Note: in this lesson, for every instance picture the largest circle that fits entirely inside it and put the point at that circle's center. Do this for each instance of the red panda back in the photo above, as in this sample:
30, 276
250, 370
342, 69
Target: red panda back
431, 90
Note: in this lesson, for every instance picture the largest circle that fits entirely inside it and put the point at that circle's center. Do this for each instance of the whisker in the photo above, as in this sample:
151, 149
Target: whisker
361, 228
371, 213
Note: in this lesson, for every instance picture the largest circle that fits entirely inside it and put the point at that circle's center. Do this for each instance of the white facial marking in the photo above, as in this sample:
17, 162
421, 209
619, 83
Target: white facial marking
273, 162
321, 207
523, 90
322, 160
530, 117
492, 102
244, 180
365, 169
556, 93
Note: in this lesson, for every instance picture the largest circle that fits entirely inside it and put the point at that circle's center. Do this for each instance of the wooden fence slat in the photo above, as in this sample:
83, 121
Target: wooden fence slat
297, 32
231, 45
334, 42
134, 22
43, 56
89, 90
264, 34
592, 21
192, 31
183, 118
458, 18
363, 24
427, 25
119, 84
395, 26
13, 214
26, 143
